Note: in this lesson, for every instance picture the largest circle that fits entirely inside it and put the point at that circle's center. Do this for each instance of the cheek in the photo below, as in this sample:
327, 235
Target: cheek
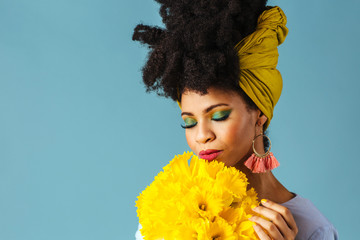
238, 138
190, 138
232, 135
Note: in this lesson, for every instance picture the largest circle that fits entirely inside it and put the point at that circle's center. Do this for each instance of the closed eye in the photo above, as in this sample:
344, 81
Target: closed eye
189, 123
188, 126
221, 115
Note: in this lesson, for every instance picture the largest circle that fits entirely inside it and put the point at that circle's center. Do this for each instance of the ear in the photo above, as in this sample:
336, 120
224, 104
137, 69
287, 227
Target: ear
261, 118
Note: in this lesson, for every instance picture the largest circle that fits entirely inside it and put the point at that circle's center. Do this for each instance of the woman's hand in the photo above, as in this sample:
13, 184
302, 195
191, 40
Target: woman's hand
281, 224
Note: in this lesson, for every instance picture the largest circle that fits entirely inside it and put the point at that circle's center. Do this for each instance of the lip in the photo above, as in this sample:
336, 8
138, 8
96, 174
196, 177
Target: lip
210, 154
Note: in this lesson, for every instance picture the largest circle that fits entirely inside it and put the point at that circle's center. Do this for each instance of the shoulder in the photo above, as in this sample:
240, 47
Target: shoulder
312, 224
324, 233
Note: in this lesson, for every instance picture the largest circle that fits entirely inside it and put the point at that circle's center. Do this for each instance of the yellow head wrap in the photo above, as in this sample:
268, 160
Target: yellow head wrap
258, 57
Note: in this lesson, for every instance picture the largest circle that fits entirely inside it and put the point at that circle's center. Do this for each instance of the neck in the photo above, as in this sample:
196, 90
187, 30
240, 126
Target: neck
266, 185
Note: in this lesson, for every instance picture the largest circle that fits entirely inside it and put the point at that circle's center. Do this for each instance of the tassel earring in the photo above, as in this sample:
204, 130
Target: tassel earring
260, 163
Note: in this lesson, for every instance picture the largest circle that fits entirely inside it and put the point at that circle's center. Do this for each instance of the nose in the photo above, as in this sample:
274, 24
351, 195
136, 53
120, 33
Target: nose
204, 133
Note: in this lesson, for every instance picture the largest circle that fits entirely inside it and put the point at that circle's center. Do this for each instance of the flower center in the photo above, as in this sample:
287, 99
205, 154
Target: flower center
202, 207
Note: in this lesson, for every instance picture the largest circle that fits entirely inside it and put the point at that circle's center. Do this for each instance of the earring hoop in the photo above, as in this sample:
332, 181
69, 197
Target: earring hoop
260, 163
253, 146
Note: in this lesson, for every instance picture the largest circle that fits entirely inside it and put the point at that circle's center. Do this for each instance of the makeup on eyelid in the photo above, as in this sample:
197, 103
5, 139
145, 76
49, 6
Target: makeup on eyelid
221, 115
189, 122
216, 116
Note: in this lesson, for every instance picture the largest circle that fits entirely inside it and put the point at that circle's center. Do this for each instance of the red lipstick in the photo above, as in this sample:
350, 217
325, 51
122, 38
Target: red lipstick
210, 154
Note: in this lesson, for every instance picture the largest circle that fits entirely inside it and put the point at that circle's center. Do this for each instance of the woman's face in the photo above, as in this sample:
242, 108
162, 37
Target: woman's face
218, 125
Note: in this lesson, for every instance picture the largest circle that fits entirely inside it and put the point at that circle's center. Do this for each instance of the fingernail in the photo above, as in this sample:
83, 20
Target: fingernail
263, 200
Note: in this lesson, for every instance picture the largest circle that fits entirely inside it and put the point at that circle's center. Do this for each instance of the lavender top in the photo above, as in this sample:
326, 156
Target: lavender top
311, 223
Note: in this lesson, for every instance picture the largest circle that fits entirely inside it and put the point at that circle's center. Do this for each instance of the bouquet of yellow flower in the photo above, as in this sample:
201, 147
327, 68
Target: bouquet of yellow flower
203, 200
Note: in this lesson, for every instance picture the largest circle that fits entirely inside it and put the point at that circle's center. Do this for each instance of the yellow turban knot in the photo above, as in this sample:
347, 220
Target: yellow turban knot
258, 56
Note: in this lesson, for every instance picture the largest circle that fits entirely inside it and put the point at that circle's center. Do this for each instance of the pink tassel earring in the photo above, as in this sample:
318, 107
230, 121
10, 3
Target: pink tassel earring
260, 163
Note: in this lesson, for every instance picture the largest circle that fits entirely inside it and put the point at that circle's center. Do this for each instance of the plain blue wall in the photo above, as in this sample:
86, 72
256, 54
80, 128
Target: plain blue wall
80, 138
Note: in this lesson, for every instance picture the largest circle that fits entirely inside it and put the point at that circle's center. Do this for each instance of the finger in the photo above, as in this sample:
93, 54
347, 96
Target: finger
285, 213
261, 234
268, 226
276, 218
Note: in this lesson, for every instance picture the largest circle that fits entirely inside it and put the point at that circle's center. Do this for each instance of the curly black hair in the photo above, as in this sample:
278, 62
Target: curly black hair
195, 50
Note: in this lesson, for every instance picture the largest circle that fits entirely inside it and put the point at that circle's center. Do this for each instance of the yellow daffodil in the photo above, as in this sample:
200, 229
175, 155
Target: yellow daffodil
218, 229
199, 200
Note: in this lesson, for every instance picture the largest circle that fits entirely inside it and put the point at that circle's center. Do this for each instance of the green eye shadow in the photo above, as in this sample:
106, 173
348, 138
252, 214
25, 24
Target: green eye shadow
189, 122
221, 115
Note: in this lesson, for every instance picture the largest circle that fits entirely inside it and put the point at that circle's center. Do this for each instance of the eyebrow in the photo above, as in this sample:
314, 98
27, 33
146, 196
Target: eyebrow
206, 110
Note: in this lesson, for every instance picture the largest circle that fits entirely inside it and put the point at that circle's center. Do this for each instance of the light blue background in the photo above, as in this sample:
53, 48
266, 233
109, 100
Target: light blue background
80, 138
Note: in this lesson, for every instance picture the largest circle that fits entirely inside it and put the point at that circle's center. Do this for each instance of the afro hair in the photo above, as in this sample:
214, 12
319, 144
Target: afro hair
195, 50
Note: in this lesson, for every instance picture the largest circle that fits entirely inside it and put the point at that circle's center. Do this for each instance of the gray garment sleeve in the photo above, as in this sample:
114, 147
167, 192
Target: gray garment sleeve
325, 233
312, 224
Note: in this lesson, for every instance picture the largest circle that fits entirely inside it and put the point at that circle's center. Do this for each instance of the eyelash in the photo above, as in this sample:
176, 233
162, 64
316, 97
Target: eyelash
221, 119
215, 119
190, 126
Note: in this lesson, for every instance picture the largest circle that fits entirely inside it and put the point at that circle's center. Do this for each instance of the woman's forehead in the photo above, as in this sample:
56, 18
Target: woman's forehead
194, 100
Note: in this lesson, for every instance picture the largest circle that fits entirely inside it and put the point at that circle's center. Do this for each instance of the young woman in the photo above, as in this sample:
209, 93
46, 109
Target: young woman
218, 60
